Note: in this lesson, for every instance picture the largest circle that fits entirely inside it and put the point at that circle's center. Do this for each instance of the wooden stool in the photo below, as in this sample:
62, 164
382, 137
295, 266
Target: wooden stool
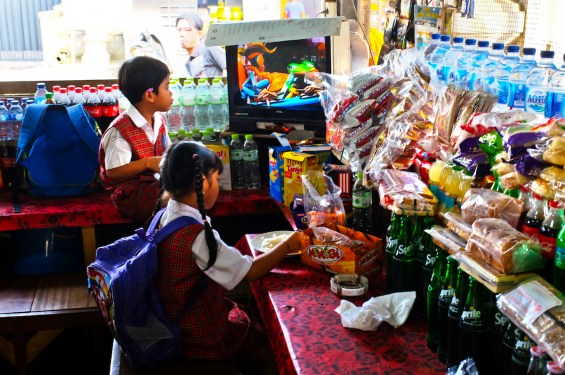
34, 310
119, 365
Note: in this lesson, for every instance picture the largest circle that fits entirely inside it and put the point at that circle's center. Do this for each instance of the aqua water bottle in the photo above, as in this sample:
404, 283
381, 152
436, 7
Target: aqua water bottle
451, 57
538, 83
188, 94
434, 42
459, 77
216, 105
555, 104
436, 58
39, 96
476, 62
202, 101
251, 163
518, 78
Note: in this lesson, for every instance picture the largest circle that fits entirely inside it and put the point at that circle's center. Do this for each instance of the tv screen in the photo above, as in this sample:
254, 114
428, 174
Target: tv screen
266, 83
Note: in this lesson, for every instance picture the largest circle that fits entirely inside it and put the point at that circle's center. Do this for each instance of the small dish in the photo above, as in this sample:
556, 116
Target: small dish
257, 241
349, 285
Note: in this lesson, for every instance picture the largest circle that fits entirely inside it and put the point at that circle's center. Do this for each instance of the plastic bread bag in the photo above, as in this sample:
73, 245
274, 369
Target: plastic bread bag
538, 308
404, 192
446, 239
486, 203
456, 224
555, 152
322, 201
509, 251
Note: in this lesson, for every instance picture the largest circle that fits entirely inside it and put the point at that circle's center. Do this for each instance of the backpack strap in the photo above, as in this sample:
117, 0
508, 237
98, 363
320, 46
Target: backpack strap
83, 126
32, 118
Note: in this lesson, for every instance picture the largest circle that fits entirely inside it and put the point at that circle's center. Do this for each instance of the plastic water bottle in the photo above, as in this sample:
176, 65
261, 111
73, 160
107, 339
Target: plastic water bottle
39, 96
4, 119
216, 104
15, 117
362, 206
537, 83
476, 63
436, 59
555, 104
226, 105
518, 78
460, 78
451, 57
503, 72
251, 163
236, 163
493, 71
202, 102
174, 115
187, 103
434, 42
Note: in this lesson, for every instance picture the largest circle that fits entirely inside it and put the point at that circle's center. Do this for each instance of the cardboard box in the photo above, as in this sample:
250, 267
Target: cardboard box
223, 151
295, 165
322, 152
343, 257
276, 171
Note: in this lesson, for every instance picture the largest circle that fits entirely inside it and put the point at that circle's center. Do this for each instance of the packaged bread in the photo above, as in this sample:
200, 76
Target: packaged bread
513, 180
537, 308
542, 188
484, 203
509, 251
555, 153
456, 224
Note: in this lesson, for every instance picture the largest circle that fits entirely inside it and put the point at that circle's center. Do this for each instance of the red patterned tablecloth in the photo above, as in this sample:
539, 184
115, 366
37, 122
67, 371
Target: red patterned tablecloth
97, 208
297, 307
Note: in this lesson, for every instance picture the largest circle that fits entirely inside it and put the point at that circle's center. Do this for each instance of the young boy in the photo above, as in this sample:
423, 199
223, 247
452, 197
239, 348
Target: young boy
133, 144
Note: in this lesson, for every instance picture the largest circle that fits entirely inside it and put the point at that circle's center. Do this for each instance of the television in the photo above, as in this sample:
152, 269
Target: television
266, 84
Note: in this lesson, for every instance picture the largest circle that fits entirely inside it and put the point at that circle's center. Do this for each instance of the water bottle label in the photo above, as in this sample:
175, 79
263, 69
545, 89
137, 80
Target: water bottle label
250, 155
502, 92
236, 155
19, 116
535, 100
517, 95
556, 105
4, 118
560, 257
362, 200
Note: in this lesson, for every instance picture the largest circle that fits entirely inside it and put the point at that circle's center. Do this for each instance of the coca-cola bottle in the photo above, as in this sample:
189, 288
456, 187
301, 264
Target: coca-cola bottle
110, 109
550, 228
535, 216
93, 105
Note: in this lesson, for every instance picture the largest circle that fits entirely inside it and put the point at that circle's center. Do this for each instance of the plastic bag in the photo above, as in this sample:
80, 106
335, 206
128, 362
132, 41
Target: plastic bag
466, 367
322, 201
486, 203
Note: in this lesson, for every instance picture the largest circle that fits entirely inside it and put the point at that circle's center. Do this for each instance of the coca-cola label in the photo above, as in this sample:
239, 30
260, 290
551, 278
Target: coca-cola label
94, 111
547, 246
530, 231
324, 253
8, 162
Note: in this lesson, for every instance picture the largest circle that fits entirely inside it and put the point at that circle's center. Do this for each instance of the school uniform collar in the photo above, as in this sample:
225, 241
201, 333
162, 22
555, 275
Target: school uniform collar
176, 209
139, 120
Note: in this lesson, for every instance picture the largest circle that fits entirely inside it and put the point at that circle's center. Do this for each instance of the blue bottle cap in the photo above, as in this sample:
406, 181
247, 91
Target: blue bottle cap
514, 48
483, 43
458, 39
436, 36
547, 54
529, 51
470, 42
498, 46
445, 38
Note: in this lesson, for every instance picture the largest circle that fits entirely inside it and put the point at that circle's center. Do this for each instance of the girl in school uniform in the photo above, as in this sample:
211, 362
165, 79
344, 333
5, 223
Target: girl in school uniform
195, 263
132, 146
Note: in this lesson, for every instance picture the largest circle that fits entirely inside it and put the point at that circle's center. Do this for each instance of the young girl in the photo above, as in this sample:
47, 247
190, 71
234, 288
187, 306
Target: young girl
133, 144
195, 263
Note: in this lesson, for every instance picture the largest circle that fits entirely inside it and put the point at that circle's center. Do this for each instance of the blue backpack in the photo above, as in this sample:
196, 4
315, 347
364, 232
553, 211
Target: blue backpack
122, 281
58, 148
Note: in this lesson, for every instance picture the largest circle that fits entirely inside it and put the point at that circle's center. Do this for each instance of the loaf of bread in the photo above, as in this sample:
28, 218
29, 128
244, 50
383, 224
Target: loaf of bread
495, 242
548, 328
555, 153
486, 203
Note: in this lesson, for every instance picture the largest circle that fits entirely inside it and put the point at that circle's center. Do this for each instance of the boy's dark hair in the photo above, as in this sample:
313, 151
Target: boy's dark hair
194, 19
139, 74
183, 168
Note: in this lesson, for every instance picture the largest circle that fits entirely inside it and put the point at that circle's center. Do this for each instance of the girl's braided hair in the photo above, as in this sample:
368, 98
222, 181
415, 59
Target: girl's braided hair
183, 168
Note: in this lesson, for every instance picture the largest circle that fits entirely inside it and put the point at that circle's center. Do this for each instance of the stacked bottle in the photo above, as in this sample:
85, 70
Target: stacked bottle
434, 289
251, 163
39, 96
538, 361
174, 115
462, 77
476, 63
217, 105
559, 261
362, 206
436, 57
447, 291
110, 109
449, 67
187, 104
236, 163
537, 83
391, 244
202, 102
404, 259
555, 103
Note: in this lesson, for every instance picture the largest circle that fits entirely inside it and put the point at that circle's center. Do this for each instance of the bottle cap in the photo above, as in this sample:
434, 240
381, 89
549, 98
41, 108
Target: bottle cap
529, 51
537, 196
86, 88
107, 89
470, 42
78, 90
49, 95
547, 54
202, 80
554, 368
349, 285
537, 351
41, 85
93, 90
115, 86
554, 204
56, 88
458, 39
70, 87
483, 43
524, 189
248, 136
63, 90
498, 46
436, 36
513, 48
445, 38
235, 136
100, 86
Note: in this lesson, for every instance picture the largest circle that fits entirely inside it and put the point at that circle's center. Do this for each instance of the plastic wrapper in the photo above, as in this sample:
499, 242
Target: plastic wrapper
322, 201
537, 308
542, 188
509, 251
446, 239
555, 153
486, 203
404, 193
517, 144
466, 367
456, 224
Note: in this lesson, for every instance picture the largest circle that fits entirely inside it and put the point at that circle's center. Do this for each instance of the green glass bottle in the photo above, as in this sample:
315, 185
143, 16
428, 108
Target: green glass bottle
509, 338
474, 326
445, 296
404, 259
453, 317
559, 261
434, 288
429, 258
391, 243
499, 321
418, 242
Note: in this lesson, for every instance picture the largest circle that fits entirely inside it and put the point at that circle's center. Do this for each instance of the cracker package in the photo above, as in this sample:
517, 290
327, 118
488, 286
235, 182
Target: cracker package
341, 250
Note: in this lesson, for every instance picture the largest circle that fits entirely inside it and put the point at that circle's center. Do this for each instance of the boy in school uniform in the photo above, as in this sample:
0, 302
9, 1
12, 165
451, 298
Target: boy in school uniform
132, 146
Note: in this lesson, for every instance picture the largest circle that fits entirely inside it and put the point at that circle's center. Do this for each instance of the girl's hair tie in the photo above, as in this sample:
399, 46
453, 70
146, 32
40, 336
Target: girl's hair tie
195, 156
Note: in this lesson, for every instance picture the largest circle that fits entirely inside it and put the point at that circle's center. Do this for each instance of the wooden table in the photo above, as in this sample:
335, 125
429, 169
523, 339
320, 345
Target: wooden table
297, 308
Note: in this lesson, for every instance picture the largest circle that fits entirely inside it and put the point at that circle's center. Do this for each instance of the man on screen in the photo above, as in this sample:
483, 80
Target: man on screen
294, 9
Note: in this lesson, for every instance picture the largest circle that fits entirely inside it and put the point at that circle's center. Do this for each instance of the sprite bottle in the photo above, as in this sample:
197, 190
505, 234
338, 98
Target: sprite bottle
434, 288
453, 317
444, 301
404, 259
391, 243
559, 261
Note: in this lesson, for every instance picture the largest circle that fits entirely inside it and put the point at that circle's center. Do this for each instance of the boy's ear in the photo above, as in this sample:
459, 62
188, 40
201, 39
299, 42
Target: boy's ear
149, 96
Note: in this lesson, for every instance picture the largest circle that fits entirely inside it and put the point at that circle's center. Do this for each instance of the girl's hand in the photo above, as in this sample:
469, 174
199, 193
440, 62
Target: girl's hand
293, 242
